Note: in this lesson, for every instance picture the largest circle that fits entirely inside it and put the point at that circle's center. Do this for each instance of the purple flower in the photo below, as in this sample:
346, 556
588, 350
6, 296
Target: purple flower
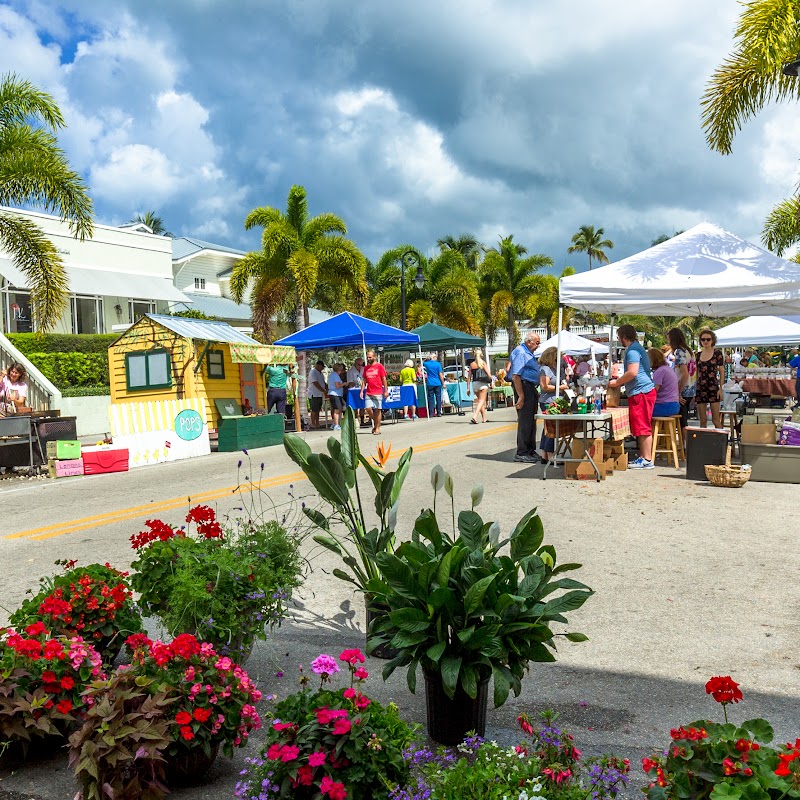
244, 450
324, 665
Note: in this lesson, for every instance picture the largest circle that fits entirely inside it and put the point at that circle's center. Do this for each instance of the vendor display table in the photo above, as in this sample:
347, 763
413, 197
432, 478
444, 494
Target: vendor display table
502, 394
563, 425
620, 423
44, 427
459, 396
399, 397
780, 387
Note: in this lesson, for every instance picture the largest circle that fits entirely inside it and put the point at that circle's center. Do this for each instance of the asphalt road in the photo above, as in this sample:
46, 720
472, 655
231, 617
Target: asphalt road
691, 581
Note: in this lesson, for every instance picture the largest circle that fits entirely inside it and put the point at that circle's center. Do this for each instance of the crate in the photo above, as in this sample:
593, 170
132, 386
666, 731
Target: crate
244, 433
64, 469
772, 463
63, 449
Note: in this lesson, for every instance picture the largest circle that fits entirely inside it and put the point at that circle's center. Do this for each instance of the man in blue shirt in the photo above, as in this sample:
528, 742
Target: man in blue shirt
434, 379
641, 393
525, 377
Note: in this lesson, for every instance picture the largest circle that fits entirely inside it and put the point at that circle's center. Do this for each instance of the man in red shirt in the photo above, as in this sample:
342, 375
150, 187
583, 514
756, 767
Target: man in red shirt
374, 389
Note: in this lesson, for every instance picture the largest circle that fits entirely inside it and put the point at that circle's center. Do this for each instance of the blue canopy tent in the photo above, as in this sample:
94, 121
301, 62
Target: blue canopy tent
348, 330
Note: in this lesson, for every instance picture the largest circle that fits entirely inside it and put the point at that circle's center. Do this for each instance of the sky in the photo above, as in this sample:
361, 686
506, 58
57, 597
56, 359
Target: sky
411, 120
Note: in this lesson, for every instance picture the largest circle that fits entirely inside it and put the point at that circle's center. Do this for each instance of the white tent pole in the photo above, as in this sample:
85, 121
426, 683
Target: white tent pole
558, 356
424, 383
611, 346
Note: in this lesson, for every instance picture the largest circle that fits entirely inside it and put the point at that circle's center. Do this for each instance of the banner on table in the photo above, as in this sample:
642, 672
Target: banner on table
160, 430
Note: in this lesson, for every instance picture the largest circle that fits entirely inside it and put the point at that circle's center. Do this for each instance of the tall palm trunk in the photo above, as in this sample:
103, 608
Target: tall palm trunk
302, 365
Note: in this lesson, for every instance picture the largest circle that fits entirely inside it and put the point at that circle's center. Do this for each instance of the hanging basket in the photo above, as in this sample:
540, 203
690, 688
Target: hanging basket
189, 766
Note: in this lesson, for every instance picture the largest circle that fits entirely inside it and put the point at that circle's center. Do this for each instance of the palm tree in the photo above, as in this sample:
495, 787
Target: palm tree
590, 241
466, 244
664, 238
508, 287
300, 260
767, 37
34, 170
449, 295
154, 222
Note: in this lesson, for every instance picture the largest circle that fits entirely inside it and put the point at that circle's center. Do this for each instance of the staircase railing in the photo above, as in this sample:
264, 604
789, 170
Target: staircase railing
42, 394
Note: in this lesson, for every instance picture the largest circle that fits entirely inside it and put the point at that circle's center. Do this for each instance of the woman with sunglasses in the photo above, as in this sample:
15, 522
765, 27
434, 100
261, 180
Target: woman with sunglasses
710, 377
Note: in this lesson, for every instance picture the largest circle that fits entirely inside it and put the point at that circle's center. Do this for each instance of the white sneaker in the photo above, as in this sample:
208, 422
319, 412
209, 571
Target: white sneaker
641, 463
337, 427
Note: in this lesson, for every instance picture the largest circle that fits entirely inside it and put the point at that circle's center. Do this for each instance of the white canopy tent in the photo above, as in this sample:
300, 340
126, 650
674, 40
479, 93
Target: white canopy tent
760, 331
705, 270
572, 345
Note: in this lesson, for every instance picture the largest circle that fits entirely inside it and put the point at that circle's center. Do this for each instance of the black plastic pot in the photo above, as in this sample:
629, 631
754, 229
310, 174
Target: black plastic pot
376, 611
449, 721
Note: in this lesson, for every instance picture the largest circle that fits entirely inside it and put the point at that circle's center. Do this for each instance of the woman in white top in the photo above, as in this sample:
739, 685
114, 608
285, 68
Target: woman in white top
479, 379
13, 389
336, 381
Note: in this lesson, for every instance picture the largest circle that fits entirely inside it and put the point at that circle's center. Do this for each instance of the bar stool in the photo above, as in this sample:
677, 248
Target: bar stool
664, 428
679, 437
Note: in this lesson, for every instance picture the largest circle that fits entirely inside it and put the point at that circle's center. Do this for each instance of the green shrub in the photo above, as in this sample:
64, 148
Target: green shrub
28, 343
86, 391
72, 369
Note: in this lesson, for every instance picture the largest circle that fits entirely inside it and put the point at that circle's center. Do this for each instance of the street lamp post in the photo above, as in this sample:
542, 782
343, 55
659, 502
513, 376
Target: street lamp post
409, 259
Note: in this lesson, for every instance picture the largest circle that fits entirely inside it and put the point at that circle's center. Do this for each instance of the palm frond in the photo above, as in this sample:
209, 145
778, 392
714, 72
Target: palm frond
782, 227
262, 217
269, 296
322, 225
297, 209
304, 269
419, 312
244, 270
21, 102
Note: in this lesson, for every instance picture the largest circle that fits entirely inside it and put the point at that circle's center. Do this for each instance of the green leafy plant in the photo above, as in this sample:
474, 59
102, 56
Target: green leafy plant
94, 602
331, 742
461, 608
119, 750
335, 477
546, 764
73, 369
38, 342
228, 585
724, 761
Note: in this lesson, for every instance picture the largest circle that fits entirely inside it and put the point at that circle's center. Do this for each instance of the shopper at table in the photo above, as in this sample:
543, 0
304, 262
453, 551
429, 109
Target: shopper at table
641, 394
434, 378
354, 381
479, 381
547, 389
710, 377
316, 391
375, 390
277, 377
408, 377
525, 377
336, 390
13, 389
666, 383
686, 370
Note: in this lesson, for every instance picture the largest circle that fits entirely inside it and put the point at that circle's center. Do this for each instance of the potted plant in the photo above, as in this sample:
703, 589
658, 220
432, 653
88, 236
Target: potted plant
42, 678
204, 699
331, 742
94, 602
714, 760
466, 612
545, 764
335, 477
228, 585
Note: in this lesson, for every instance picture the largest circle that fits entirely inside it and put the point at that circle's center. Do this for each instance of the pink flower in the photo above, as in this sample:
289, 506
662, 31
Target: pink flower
224, 664
289, 752
352, 656
317, 759
362, 702
324, 665
350, 693
341, 726
361, 674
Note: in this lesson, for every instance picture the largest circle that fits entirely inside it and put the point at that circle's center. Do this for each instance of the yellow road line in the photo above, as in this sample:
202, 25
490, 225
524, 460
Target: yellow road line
134, 512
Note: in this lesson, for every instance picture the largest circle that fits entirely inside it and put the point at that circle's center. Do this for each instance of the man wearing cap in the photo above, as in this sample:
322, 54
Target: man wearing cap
316, 391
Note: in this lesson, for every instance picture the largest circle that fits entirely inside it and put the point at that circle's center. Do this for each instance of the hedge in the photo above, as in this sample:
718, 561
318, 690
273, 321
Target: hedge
73, 369
30, 343
86, 391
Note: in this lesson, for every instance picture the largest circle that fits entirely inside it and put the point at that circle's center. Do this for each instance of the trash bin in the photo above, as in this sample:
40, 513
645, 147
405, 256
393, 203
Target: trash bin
704, 447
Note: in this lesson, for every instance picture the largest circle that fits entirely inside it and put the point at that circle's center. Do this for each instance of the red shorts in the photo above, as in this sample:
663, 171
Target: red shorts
640, 413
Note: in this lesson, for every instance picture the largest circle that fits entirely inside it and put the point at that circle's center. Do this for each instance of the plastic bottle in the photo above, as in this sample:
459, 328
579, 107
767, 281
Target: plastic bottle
598, 400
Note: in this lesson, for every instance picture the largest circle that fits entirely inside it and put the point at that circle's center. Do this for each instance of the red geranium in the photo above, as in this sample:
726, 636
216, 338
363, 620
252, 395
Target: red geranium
183, 718
724, 689
202, 714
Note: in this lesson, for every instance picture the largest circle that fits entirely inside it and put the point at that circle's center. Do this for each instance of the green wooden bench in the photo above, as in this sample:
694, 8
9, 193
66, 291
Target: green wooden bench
238, 432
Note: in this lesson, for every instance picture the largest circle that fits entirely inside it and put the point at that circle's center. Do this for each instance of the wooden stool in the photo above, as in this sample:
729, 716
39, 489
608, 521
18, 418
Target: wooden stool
679, 437
664, 428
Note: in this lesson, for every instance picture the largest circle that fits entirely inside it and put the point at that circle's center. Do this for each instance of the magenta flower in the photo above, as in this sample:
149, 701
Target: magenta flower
324, 665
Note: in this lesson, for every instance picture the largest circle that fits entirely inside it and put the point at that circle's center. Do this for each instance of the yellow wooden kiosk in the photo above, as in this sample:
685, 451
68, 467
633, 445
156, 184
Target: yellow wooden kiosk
162, 357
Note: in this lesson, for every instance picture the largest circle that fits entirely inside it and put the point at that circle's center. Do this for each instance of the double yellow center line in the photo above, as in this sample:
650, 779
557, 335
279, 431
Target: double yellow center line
149, 509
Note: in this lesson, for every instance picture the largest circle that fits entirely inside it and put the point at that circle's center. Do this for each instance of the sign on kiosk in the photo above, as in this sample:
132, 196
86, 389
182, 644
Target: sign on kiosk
159, 431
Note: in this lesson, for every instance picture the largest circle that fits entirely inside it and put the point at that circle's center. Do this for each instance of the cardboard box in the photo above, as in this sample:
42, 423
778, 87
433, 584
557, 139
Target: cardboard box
100, 460
608, 467
621, 462
64, 450
583, 469
758, 434
64, 469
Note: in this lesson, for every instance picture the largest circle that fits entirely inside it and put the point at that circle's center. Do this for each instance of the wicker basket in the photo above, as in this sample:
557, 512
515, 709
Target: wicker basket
726, 475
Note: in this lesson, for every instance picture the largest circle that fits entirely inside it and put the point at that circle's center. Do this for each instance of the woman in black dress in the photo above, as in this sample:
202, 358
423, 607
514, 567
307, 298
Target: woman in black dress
710, 377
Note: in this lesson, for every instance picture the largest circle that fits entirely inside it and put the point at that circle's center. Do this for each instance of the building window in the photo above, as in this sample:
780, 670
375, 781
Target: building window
138, 308
148, 370
199, 283
215, 364
20, 314
87, 314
